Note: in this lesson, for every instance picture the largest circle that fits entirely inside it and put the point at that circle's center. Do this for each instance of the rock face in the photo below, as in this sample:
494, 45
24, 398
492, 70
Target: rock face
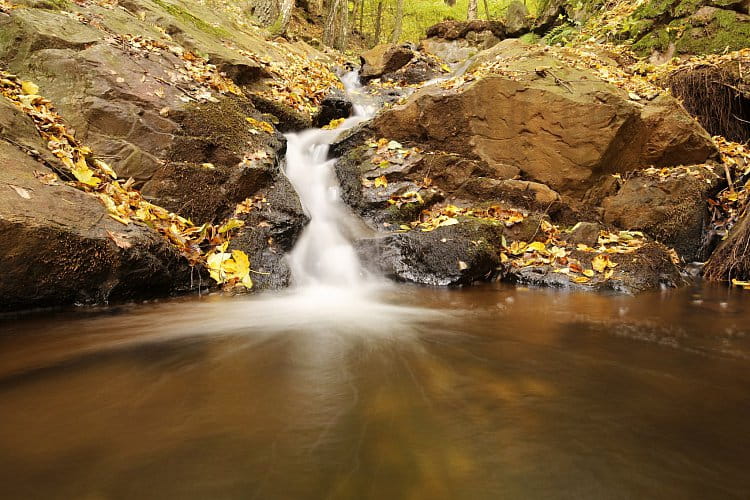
457, 41
132, 95
565, 128
193, 132
672, 209
59, 246
383, 59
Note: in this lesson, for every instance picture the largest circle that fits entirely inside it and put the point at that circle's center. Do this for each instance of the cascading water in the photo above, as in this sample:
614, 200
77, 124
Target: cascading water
324, 255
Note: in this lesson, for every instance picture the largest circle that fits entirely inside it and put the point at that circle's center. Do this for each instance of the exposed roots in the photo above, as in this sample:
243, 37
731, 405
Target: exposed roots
717, 96
731, 260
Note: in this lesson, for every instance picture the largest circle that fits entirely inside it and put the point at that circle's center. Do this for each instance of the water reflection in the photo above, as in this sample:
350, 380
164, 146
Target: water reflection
478, 393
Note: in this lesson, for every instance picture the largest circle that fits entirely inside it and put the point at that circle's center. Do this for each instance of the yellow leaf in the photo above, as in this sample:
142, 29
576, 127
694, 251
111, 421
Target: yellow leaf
581, 279
29, 88
231, 224
588, 272
537, 246
381, 181
599, 263
84, 174
334, 124
448, 222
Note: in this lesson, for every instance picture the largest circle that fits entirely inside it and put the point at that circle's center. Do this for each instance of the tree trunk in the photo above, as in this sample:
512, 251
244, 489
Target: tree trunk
378, 24
473, 9
336, 26
487, 9
398, 24
287, 6
265, 11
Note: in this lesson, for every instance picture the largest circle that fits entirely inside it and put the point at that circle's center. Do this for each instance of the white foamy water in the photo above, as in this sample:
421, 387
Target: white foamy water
324, 255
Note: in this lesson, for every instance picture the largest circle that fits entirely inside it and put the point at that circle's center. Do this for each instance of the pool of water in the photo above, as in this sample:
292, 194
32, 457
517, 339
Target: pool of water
398, 393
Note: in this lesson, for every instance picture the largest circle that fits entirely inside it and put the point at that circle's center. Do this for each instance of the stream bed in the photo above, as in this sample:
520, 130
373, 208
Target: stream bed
398, 392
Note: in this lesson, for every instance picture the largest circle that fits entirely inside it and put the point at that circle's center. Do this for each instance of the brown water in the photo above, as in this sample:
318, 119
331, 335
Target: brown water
482, 393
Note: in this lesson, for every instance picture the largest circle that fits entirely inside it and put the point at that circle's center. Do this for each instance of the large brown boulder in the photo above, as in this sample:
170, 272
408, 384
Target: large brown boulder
563, 127
177, 123
59, 246
384, 59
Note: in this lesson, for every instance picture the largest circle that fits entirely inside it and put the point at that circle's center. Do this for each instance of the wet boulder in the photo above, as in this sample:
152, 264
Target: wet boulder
646, 268
454, 255
564, 128
271, 230
336, 105
669, 205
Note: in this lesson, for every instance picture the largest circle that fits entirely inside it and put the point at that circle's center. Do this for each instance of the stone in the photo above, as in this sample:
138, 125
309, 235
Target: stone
57, 244
565, 136
448, 256
335, 106
673, 210
383, 59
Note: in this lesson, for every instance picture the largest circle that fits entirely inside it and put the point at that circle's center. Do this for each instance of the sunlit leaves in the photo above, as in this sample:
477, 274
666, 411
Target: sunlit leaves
229, 268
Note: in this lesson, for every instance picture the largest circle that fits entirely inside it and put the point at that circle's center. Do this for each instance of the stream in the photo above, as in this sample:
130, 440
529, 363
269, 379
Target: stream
349, 387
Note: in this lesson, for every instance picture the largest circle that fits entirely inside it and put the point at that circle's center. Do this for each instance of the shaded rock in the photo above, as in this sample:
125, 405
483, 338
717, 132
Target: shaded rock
565, 136
454, 255
457, 41
648, 268
585, 233
271, 230
383, 59
673, 210
215, 160
336, 105
57, 244
453, 30
731, 259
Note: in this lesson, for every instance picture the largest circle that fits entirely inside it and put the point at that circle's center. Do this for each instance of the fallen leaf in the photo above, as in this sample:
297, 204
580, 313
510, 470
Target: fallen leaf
23, 193
120, 239
381, 181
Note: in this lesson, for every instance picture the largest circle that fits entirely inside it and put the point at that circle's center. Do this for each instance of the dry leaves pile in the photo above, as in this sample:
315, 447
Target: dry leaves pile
198, 244
298, 82
388, 152
581, 263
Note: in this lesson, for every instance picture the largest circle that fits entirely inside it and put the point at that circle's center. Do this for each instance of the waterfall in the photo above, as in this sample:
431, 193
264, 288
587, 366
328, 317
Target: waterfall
324, 255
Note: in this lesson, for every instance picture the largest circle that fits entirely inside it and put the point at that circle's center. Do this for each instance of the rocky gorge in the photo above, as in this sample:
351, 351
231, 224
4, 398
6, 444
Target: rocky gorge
143, 154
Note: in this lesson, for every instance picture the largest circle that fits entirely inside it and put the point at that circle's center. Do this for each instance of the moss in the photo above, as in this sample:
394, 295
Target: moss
55, 5
688, 7
562, 34
184, 15
656, 40
530, 38
725, 32
653, 9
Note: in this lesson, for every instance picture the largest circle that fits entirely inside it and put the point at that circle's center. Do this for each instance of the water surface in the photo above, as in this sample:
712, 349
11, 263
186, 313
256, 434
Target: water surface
403, 392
